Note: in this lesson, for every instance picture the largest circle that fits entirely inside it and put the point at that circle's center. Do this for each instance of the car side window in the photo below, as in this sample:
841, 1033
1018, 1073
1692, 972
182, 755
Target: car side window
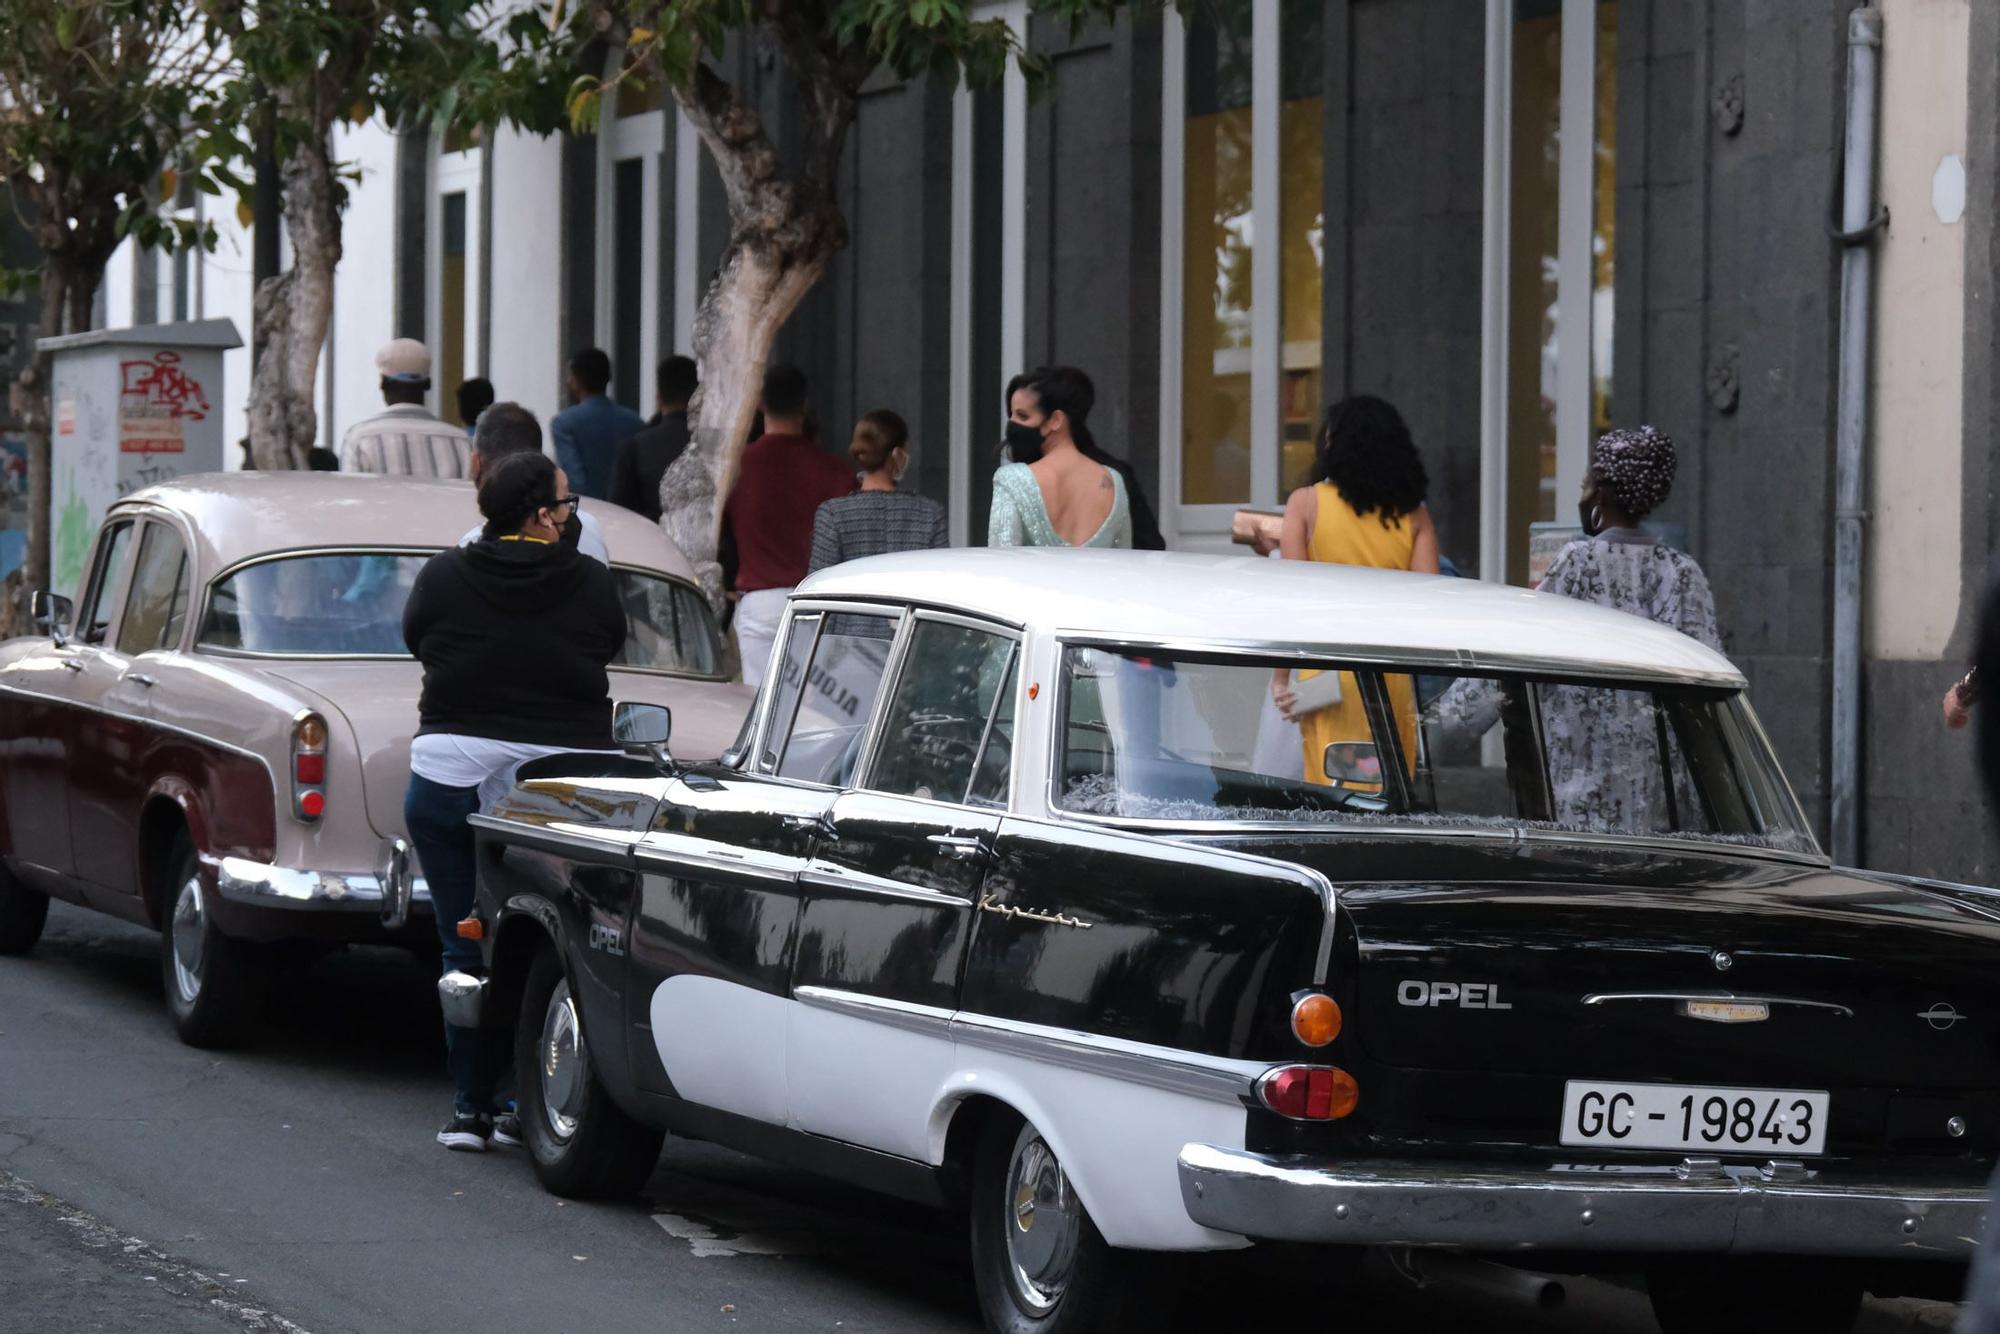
93, 620
996, 754
835, 693
157, 604
938, 719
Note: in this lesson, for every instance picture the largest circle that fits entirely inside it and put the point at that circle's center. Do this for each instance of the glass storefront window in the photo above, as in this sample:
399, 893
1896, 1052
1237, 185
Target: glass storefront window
1215, 338
1535, 342
1302, 235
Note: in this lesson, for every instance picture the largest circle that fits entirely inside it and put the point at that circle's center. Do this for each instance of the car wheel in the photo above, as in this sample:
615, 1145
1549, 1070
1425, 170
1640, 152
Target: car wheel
583, 1145
22, 914
1772, 1296
1038, 1262
210, 979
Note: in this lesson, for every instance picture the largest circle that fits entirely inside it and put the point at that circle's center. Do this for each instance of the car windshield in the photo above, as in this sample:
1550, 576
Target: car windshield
350, 604
1157, 736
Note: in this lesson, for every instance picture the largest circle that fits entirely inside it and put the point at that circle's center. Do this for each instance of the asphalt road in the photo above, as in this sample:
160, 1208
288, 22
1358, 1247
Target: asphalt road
294, 1186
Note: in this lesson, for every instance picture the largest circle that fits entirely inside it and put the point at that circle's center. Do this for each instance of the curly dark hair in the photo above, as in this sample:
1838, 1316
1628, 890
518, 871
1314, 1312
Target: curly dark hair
1364, 449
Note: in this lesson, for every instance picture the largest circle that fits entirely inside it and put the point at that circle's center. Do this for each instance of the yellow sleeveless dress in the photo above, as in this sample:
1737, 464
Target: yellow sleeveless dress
1342, 537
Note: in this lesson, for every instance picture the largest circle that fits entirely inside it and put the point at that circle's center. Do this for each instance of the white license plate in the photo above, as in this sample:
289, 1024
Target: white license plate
1683, 1116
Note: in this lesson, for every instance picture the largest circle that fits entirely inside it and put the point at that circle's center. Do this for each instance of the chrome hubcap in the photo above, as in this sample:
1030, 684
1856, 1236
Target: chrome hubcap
190, 931
560, 1068
1044, 1224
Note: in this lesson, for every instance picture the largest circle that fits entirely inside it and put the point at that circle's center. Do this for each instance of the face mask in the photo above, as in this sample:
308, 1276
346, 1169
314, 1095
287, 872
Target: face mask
572, 530
1024, 442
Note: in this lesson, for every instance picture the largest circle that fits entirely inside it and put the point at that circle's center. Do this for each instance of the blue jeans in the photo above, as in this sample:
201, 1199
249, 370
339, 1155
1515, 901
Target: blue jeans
480, 1059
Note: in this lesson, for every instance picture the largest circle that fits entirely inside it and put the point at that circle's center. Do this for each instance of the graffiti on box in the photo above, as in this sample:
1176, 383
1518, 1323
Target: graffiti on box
156, 399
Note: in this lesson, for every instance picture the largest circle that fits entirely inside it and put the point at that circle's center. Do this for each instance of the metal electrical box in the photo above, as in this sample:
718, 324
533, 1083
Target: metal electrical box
130, 407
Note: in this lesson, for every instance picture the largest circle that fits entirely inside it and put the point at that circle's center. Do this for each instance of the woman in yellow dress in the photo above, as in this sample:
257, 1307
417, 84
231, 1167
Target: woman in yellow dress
1365, 507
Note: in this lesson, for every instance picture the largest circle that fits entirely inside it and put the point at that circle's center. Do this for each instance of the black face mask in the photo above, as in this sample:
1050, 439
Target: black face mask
1024, 442
572, 529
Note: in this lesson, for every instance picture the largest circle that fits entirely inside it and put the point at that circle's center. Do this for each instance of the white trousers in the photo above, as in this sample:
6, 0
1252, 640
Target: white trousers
757, 617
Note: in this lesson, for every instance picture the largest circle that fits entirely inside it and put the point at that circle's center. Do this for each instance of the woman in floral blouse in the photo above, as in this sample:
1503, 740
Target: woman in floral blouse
1603, 744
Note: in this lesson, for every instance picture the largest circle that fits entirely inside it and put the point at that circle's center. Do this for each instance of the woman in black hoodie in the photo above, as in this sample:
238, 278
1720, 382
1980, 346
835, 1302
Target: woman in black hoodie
515, 632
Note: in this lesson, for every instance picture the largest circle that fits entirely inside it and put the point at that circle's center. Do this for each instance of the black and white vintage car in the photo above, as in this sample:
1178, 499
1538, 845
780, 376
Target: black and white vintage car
1019, 893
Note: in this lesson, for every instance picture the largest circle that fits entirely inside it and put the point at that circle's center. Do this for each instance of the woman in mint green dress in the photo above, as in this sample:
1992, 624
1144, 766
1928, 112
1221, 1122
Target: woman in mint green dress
1051, 495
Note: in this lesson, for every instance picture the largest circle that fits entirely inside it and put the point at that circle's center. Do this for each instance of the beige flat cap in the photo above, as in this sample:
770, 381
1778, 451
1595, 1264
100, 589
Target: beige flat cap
404, 359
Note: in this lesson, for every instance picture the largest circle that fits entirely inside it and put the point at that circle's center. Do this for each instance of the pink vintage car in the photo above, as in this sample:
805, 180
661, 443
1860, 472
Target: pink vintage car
216, 742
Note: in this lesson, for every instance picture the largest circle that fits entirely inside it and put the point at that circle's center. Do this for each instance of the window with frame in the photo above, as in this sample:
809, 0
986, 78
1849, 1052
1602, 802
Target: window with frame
93, 620
157, 605
830, 674
939, 727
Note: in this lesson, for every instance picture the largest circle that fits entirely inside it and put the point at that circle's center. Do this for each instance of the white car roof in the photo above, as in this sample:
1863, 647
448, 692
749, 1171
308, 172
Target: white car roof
1190, 601
237, 516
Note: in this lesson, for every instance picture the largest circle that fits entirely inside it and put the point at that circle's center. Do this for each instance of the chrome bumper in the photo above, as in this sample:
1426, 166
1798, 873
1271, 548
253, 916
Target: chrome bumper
388, 892
1711, 1209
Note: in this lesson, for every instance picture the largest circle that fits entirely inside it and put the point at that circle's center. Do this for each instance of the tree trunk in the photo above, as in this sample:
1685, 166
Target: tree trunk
756, 292
31, 409
293, 311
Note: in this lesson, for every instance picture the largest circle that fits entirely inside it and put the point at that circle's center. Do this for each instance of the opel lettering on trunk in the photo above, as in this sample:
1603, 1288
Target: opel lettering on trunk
1464, 995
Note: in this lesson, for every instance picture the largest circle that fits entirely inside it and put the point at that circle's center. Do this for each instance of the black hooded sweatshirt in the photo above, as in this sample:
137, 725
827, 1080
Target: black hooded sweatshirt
514, 638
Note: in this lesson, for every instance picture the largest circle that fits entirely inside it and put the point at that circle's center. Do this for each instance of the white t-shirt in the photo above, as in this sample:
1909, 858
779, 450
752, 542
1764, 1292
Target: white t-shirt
477, 761
590, 541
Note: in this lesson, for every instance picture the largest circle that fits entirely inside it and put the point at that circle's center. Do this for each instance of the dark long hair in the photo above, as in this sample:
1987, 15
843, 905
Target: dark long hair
1364, 449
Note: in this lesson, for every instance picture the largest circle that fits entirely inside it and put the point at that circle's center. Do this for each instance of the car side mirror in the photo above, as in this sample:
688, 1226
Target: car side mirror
51, 614
643, 730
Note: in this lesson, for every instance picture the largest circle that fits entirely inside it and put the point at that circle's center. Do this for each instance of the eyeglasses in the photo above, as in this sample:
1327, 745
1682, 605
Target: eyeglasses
565, 502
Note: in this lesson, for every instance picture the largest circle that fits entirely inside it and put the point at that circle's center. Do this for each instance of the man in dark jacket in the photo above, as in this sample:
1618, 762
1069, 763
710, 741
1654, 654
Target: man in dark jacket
643, 460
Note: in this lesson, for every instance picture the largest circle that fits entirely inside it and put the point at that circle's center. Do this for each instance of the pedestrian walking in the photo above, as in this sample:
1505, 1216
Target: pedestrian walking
405, 439
769, 514
588, 432
643, 459
878, 518
1364, 506
474, 397
514, 633
1050, 493
1145, 526
1606, 773
507, 429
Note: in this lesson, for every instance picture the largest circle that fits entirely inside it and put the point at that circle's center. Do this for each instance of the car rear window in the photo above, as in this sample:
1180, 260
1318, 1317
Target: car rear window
344, 604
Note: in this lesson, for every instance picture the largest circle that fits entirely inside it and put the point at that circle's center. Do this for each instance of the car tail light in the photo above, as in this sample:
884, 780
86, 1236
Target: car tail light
1315, 1019
309, 766
1309, 1092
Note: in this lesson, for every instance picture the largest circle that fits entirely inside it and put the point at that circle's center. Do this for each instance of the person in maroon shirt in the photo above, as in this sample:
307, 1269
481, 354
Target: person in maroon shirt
783, 480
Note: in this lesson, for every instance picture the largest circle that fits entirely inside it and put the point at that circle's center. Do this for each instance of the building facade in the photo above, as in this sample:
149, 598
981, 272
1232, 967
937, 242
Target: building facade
1522, 221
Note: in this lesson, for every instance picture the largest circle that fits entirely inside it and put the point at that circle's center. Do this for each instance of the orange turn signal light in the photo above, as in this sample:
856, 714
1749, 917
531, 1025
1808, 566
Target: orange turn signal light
471, 928
1316, 1019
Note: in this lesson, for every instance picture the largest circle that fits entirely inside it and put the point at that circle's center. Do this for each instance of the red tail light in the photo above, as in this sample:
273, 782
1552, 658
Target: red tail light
309, 766
1309, 1092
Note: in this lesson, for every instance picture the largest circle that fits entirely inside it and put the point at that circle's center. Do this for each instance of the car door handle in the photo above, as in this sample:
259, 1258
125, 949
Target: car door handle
141, 678
957, 845
806, 824
71, 665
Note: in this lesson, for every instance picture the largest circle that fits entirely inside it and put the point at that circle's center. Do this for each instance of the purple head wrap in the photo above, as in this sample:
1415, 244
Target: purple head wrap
1636, 466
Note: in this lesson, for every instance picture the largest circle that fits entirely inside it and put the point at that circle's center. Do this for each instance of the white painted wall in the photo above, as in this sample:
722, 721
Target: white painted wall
227, 286
364, 296
1917, 380
524, 361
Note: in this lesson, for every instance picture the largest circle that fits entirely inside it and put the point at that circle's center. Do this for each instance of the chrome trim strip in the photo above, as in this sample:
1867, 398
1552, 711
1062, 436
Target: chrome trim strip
1582, 1207
265, 886
678, 853
559, 836
929, 1020
1214, 1078
826, 875
1605, 997
1385, 655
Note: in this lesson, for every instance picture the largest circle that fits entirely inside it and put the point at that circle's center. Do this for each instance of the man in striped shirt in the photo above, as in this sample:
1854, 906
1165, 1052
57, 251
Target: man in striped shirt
404, 439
